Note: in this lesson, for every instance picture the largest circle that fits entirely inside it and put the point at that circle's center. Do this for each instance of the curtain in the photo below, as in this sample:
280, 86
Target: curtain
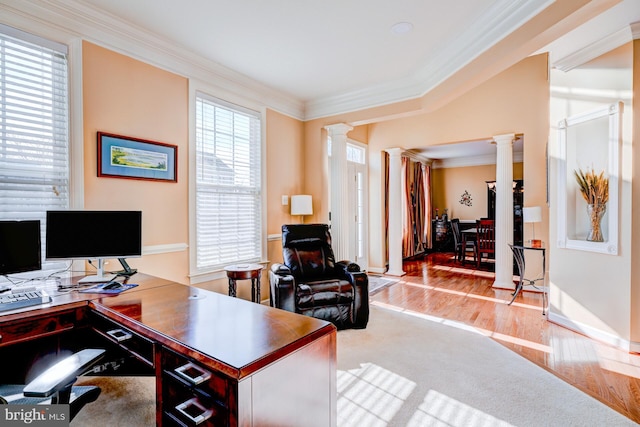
408, 204
419, 209
426, 182
385, 162
416, 201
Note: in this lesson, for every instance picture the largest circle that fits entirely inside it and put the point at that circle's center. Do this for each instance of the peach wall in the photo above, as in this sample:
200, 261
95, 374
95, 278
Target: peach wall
285, 163
589, 291
448, 185
285, 166
514, 101
127, 97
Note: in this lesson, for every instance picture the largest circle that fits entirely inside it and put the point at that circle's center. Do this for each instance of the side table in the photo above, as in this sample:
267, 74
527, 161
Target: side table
245, 272
518, 253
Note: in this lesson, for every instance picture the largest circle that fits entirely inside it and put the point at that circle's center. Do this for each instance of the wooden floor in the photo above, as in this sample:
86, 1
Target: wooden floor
437, 286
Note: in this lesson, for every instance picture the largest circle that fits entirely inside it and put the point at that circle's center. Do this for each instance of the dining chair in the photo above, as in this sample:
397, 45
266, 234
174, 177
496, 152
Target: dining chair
462, 246
485, 239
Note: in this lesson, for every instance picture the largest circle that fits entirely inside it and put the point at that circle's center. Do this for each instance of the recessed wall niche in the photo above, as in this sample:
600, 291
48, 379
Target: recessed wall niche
589, 142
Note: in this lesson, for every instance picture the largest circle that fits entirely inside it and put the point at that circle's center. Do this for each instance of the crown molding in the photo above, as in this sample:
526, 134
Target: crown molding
595, 49
500, 20
66, 20
459, 162
635, 30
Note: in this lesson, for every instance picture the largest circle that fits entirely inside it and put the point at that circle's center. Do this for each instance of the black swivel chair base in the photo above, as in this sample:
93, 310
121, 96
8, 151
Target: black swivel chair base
55, 385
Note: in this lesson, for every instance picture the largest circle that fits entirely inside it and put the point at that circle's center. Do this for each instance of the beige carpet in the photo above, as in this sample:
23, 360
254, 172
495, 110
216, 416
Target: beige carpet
409, 370
416, 370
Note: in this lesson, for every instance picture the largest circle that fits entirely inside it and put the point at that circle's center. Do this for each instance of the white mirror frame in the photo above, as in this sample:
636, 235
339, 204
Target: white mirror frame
610, 245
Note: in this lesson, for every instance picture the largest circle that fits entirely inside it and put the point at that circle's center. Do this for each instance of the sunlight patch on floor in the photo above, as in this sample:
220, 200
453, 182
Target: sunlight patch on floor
470, 295
517, 341
438, 409
370, 395
490, 334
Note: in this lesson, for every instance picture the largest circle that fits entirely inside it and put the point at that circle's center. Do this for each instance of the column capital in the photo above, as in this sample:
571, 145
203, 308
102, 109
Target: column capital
505, 139
338, 129
635, 30
394, 151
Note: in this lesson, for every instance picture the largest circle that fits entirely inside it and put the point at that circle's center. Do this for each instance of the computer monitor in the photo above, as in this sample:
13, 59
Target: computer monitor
99, 235
20, 247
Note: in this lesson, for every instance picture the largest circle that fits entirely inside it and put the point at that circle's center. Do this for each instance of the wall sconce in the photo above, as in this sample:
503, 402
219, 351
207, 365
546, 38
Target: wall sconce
533, 214
301, 204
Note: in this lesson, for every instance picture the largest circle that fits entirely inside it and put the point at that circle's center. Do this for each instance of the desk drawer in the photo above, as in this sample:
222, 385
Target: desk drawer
137, 345
38, 327
193, 394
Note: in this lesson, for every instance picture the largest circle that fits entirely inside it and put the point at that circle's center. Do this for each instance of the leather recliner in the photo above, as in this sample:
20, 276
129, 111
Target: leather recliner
312, 283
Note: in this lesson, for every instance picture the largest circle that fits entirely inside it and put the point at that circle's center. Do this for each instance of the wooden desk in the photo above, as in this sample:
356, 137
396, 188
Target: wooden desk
261, 365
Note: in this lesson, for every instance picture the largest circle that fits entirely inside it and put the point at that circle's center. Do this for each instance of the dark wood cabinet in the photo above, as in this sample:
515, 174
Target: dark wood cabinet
441, 235
518, 200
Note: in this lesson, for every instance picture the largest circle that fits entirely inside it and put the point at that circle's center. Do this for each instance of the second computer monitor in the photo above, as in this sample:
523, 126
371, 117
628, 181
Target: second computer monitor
99, 235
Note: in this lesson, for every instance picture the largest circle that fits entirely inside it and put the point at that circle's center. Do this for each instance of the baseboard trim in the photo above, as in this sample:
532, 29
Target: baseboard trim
164, 249
594, 333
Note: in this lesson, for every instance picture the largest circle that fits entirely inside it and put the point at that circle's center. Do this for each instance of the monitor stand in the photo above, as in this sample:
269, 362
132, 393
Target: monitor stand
127, 271
99, 277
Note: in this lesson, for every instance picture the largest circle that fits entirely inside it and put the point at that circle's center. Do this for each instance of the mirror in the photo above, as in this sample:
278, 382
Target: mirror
589, 144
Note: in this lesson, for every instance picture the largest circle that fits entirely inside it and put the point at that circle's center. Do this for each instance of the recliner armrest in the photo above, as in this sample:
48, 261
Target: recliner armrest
282, 287
62, 373
347, 266
280, 269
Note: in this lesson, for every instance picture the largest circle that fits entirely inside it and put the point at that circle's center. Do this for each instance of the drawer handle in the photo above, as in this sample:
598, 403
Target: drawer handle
194, 411
192, 373
119, 334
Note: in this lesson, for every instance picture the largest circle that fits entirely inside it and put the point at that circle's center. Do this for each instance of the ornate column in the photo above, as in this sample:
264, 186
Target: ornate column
395, 212
504, 211
339, 203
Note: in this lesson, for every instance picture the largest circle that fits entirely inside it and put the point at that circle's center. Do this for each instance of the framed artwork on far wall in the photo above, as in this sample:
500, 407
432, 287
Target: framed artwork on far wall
133, 158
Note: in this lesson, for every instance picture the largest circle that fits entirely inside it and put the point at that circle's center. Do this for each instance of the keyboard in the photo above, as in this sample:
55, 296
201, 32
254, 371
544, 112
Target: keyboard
12, 301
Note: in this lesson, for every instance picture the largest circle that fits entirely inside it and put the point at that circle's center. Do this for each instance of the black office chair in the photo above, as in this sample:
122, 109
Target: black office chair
55, 385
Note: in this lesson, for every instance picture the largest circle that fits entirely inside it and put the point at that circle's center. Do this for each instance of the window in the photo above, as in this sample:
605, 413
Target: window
34, 140
355, 153
228, 184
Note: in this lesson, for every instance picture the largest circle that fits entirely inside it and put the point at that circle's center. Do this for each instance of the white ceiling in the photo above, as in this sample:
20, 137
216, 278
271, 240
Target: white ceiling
316, 49
326, 52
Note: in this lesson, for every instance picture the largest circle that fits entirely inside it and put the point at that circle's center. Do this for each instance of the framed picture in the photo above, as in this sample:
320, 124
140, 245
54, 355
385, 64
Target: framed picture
134, 158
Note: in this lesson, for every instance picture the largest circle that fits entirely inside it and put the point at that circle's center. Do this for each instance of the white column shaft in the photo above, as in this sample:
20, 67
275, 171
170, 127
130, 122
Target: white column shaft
339, 195
504, 211
395, 212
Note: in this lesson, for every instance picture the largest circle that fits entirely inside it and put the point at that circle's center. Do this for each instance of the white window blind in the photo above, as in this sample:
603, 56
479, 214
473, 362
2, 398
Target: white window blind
228, 184
34, 141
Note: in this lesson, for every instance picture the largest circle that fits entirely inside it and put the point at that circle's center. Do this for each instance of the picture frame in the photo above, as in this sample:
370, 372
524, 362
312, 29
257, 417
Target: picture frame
134, 158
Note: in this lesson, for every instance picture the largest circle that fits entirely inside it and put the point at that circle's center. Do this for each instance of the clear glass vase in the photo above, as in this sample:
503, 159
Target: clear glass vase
596, 212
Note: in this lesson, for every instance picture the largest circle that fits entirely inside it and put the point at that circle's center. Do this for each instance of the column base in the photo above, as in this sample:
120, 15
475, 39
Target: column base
397, 273
504, 285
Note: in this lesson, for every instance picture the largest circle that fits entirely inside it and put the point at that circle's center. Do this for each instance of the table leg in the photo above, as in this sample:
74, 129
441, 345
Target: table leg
519, 256
258, 289
232, 287
545, 297
253, 290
